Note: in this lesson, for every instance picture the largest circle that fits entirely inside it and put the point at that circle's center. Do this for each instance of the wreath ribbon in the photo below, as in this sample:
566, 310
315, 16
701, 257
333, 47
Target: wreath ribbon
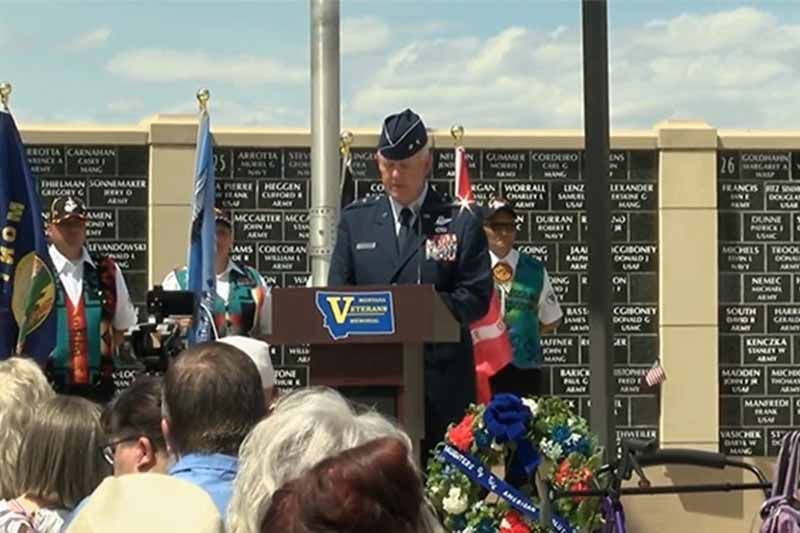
477, 473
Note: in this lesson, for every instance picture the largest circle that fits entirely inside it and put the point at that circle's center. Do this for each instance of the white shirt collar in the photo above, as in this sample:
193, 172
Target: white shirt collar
511, 259
414, 206
231, 266
59, 261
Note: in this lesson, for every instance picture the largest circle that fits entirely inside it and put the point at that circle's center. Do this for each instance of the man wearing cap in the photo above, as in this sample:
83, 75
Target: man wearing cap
243, 303
409, 235
258, 352
527, 299
93, 305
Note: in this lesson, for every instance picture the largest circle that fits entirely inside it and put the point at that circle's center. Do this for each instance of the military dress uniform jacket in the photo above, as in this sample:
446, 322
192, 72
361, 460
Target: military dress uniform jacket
448, 250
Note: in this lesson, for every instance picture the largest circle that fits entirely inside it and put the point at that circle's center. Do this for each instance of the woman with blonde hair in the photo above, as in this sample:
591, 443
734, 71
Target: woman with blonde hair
23, 387
59, 463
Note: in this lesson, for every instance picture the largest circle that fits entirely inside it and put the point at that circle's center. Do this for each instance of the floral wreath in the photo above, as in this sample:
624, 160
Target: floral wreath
483, 478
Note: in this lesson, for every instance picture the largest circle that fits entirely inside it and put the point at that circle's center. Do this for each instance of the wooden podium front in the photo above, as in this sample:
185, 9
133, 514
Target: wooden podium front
394, 360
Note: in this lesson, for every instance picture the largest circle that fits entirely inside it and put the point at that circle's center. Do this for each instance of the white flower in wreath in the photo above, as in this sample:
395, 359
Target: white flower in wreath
505, 524
455, 503
551, 450
531, 404
573, 438
496, 446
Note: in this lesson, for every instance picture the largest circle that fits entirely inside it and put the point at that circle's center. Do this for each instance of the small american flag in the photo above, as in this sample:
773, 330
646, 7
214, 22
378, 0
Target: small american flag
655, 376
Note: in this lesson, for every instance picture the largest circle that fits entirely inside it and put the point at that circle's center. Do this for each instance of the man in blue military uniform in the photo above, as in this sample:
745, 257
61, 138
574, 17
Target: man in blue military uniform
411, 235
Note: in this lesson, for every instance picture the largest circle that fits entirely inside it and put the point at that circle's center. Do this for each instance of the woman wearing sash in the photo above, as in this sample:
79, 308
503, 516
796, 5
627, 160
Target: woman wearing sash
529, 304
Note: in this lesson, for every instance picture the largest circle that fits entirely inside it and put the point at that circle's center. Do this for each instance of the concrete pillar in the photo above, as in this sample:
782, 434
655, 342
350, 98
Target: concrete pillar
172, 152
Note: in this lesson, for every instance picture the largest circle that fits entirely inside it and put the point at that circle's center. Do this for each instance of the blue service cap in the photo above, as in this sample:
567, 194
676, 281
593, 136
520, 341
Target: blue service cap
402, 136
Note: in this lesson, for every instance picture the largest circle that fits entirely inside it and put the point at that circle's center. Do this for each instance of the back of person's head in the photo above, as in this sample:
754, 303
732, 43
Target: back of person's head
212, 399
305, 427
370, 488
154, 503
136, 415
59, 459
23, 387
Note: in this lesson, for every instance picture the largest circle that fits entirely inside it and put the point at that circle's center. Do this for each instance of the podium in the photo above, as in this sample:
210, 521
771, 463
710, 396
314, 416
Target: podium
382, 351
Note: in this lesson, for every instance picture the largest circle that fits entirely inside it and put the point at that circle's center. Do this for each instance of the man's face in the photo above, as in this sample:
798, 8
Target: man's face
224, 240
403, 180
500, 232
70, 233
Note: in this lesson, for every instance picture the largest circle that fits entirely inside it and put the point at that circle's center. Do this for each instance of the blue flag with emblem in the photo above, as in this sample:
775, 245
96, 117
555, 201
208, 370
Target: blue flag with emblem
27, 282
202, 279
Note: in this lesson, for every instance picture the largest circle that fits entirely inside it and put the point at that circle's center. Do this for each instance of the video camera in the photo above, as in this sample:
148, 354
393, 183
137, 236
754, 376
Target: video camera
159, 340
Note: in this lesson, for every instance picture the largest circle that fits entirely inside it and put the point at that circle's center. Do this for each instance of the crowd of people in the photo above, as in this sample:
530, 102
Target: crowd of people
201, 450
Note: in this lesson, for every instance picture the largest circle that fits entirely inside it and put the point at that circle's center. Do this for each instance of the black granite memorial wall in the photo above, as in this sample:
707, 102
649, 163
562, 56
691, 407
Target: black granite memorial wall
113, 182
758, 195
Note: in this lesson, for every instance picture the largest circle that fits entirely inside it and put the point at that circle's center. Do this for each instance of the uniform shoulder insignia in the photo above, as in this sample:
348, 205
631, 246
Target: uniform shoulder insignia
363, 202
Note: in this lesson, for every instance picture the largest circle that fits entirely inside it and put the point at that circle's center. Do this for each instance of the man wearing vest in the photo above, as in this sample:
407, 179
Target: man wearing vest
530, 306
243, 303
93, 306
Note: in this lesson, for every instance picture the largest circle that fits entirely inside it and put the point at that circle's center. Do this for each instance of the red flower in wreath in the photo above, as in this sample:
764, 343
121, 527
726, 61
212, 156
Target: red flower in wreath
512, 523
580, 486
563, 475
460, 436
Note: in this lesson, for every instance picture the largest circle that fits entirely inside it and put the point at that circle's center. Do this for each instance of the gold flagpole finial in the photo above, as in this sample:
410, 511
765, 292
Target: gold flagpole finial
5, 91
203, 96
345, 140
457, 131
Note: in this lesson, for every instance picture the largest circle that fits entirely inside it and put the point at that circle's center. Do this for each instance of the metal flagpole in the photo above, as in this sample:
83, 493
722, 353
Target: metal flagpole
598, 203
325, 102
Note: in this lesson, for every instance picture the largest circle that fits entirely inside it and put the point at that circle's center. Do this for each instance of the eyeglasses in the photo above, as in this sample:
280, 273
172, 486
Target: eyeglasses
502, 227
108, 450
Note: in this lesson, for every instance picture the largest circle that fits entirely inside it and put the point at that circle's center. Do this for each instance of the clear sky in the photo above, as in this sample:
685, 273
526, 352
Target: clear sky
483, 63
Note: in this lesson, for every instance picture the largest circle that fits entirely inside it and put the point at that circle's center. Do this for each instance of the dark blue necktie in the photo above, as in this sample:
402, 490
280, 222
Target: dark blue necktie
404, 235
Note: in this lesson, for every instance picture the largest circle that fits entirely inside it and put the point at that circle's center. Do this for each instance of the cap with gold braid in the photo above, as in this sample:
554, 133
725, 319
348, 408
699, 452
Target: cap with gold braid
67, 207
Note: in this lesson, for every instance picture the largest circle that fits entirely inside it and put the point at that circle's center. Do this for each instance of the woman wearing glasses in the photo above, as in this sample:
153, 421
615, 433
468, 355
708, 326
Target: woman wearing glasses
54, 472
133, 425
134, 443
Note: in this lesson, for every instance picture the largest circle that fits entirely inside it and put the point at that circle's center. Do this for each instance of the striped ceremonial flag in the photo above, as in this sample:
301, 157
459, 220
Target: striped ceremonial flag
491, 348
655, 376
463, 188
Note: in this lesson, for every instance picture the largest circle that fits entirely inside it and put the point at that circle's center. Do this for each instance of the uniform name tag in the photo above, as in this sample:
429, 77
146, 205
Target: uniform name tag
365, 245
442, 247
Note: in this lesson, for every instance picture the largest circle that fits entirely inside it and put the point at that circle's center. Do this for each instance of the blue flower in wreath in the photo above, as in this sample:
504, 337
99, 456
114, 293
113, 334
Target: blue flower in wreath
507, 420
570, 446
458, 522
584, 446
482, 438
486, 526
560, 434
